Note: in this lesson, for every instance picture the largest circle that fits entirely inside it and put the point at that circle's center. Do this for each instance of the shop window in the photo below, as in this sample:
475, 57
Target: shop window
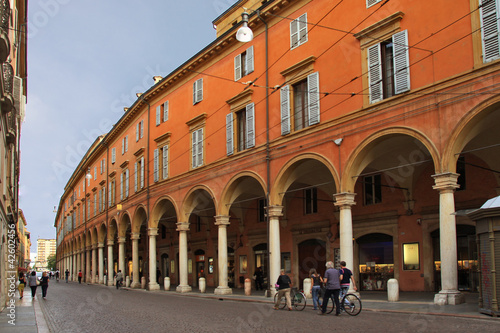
372, 189
243, 264
411, 258
311, 200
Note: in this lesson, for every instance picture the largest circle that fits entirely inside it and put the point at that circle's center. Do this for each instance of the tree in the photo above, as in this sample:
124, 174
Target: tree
51, 262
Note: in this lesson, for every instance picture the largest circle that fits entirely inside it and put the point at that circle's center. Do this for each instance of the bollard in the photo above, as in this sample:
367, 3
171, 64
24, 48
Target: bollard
105, 279
114, 281
143, 282
127, 281
307, 287
202, 284
392, 290
166, 283
96, 281
248, 287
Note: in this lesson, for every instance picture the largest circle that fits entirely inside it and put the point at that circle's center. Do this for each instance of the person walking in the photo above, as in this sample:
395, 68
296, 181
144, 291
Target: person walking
259, 279
284, 283
80, 275
67, 275
57, 275
315, 287
44, 283
347, 277
119, 279
32, 282
22, 284
332, 280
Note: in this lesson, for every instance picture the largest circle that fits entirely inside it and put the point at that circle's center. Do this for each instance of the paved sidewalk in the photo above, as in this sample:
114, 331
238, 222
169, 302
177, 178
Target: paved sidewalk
29, 316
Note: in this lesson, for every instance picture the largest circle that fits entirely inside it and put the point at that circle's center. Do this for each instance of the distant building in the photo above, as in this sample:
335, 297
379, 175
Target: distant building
24, 242
45, 248
13, 83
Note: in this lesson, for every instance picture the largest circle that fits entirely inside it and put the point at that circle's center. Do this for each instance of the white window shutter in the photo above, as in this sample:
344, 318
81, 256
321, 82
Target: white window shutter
142, 129
165, 162
198, 91
103, 198
127, 174
294, 34
104, 164
126, 143
156, 165
137, 132
113, 155
375, 73
237, 67
302, 24
401, 62
165, 111
109, 196
285, 110
122, 187
229, 134
249, 61
313, 98
490, 30
123, 146
200, 147
158, 115
194, 138
142, 172
136, 177
250, 115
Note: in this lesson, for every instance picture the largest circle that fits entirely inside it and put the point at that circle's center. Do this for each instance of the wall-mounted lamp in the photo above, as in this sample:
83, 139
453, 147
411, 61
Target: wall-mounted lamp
88, 175
419, 221
138, 95
338, 142
244, 33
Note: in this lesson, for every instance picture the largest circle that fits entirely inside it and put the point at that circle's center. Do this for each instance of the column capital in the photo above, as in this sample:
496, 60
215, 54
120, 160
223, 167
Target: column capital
111, 242
446, 181
153, 231
94, 246
222, 220
275, 211
122, 239
182, 226
344, 199
100, 244
135, 236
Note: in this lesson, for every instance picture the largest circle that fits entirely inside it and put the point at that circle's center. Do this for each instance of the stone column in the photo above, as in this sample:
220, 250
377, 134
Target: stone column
344, 201
72, 267
88, 278
100, 247
82, 262
136, 282
274, 244
110, 262
94, 263
222, 222
121, 254
182, 228
446, 183
153, 284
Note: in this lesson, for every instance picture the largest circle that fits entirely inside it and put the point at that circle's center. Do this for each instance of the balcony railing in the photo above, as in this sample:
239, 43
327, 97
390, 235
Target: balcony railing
4, 30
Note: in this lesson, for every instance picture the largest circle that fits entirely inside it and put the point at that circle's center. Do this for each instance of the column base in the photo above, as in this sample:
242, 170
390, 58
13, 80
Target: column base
135, 285
111, 283
153, 286
183, 289
101, 281
223, 291
449, 297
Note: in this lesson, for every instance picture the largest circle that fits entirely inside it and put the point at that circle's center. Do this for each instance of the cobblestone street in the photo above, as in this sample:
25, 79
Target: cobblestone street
91, 308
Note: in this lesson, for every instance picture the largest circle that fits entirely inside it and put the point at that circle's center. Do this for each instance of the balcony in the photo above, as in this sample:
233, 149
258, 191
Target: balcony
7, 100
11, 133
4, 30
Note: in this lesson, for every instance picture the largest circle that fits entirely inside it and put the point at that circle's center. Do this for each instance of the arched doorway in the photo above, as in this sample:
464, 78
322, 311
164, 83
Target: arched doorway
312, 254
376, 261
468, 276
261, 259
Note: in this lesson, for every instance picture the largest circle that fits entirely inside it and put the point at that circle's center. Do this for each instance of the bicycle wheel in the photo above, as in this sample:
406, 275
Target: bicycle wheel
330, 306
282, 302
299, 301
351, 304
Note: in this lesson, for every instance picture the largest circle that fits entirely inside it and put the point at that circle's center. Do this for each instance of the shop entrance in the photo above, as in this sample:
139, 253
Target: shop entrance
376, 261
200, 265
468, 276
260, 252
312, 254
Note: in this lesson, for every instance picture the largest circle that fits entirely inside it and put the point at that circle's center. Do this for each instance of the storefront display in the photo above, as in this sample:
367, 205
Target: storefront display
375, 276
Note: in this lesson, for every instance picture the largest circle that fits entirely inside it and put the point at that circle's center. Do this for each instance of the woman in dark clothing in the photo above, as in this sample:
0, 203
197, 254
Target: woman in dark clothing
315, 287
32, 283
44, 282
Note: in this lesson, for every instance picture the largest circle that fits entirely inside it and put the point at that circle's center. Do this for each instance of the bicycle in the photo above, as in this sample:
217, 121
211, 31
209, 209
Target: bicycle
119, 283
298, 299
350, 304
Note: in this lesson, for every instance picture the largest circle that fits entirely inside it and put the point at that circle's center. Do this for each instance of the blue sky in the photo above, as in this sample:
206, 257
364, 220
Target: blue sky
86, 61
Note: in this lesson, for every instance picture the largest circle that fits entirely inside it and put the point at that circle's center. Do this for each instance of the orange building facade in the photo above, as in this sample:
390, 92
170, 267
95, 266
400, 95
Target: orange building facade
354, 131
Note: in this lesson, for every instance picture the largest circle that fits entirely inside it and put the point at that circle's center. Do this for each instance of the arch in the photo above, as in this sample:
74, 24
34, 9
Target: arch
363, 154
191, 200
140, 216
284, 177
160, 207
124, 221
101, 233
231, 190
467, 128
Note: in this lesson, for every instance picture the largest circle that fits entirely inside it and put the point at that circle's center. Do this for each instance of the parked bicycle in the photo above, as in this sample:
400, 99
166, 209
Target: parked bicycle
350, 304
297, 297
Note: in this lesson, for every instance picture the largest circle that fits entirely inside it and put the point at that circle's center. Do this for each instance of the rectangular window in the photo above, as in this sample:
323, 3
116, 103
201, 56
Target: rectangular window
311, 200
156, 165
197, 91
161, 113
113, 155
245, 129
165, 162
411, 258
304, 102
490, 29
95, 204
372, 189
125, 144
139, 130
197, 148
298, 31
158, 115
243, 64
95, 173
388, 67
166, 107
